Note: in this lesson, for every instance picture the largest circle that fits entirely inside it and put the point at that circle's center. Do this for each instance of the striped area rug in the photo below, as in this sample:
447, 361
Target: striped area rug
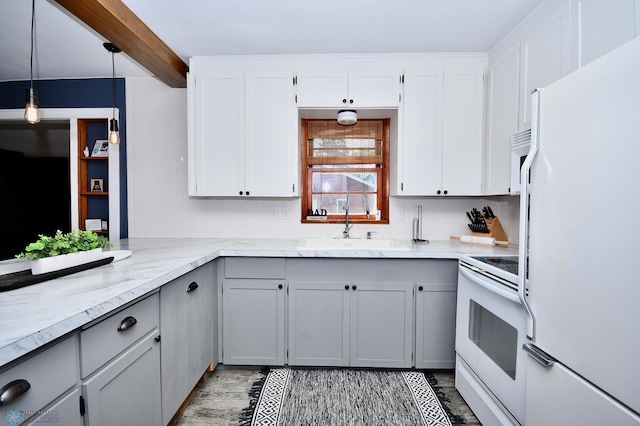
354, 397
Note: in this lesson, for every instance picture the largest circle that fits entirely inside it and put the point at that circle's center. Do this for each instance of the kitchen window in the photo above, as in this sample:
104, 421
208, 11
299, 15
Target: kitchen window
345, 161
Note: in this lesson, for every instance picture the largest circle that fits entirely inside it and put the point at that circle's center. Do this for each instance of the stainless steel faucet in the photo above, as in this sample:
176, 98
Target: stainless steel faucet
347, 228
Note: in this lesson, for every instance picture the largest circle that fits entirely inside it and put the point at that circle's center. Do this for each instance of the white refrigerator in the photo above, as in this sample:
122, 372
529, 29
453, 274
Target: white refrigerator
580, 215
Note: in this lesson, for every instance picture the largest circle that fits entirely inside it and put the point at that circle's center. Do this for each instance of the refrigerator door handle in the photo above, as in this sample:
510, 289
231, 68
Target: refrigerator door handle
523, 252
539, 355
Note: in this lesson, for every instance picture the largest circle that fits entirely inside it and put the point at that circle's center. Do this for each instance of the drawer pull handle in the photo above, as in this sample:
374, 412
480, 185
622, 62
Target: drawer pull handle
14, 390
192, 286
127, 323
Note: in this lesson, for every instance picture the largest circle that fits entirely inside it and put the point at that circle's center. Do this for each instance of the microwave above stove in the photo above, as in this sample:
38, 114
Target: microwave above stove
520, 143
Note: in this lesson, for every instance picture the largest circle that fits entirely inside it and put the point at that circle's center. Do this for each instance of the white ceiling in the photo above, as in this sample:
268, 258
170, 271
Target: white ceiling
66, 48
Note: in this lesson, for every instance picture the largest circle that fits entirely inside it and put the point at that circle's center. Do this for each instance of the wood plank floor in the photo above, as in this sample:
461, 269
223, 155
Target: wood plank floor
219, 401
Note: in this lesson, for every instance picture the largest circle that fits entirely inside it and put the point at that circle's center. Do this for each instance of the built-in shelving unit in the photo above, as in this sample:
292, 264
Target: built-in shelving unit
93, 200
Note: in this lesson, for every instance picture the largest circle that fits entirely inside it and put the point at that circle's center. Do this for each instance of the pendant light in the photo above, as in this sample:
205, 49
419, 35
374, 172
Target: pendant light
31, 113
347, 117
114, 134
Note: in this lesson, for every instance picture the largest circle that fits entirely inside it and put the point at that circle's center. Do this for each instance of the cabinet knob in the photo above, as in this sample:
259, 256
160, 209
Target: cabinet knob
13, 390
420, 288
157, 339
353, 287
280, 286
438, 192
192, 286
344, 101
346, 287
127, 323
247, 193
446, 192
240, 192
350, 101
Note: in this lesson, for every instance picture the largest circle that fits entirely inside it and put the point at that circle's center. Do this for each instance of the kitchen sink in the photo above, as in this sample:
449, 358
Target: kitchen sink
352, 244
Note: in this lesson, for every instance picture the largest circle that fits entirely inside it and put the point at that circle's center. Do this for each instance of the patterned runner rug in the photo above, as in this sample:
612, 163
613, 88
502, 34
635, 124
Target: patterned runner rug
345, 397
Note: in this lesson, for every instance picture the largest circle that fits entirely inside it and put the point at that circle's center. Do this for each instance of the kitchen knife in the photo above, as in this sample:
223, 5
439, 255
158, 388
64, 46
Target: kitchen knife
470, 217
490, 212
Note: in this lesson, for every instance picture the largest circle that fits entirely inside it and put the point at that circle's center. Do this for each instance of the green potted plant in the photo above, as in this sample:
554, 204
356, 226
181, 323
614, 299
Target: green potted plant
64, 250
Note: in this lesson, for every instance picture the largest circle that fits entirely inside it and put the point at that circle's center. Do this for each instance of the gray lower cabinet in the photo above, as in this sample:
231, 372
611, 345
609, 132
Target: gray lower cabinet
381, 325
349, 324
186, 326
65, 412
319, 321
435, 325
253, 311
391, 313
253, 321
127, 390
120, 365
43, 387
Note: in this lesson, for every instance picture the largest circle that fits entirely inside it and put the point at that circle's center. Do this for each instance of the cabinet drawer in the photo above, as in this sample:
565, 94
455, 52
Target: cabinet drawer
253, 267
49, 373
105, 340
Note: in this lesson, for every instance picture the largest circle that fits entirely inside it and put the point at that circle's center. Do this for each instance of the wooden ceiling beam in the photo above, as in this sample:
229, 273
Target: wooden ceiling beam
118, 24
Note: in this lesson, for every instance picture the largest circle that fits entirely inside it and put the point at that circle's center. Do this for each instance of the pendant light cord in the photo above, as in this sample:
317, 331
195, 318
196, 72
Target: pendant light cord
113, 80
33, 18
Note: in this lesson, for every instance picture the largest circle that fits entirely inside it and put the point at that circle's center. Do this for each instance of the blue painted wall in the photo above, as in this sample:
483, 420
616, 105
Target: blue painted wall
78, 93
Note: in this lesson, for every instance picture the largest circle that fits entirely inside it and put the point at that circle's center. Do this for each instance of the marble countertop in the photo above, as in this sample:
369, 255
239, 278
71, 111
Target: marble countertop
31, 317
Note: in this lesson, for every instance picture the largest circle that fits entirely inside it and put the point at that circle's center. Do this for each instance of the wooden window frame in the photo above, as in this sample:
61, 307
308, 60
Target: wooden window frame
383, 180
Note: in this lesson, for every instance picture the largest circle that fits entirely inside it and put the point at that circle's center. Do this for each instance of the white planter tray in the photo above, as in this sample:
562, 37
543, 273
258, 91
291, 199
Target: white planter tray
55, 263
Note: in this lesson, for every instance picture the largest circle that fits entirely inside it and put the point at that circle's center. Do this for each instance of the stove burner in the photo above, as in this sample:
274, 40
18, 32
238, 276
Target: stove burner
506, 263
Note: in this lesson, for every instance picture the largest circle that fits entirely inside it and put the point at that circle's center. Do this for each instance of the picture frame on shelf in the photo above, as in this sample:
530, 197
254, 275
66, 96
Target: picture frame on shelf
96, 185
100, 148
105, 225
93, 224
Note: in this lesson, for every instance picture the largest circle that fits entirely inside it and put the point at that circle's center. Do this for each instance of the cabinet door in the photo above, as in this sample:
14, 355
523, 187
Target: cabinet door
322, 89
319, 324
381, 325
502, 120
253, 322
420, 149
435, 325
186, 322
374, 89
603, 26
462, 132
271, 152
545, 58
64, 412
219, 135
127, 389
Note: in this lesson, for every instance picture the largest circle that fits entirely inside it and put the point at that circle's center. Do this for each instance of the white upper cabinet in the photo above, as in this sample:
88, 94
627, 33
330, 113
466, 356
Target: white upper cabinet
440, 144
353, 89
242, 140
545, 57
599, 26
462, 132
216, 167
555, 40
502, 119
271, 160
419, 156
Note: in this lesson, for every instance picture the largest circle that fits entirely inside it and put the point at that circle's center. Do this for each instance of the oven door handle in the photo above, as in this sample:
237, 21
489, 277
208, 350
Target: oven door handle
489, 283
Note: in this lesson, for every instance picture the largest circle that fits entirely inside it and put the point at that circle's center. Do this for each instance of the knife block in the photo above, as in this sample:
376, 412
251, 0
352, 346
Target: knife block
495, 230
